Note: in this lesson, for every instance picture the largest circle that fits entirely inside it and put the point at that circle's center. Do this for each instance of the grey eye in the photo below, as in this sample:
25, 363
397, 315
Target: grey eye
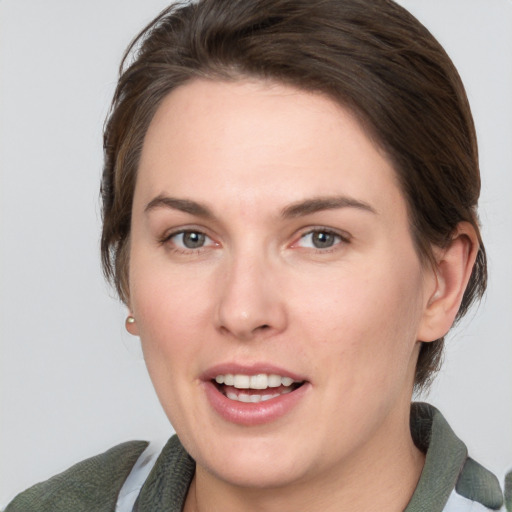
192, 239
319, 239
323, 239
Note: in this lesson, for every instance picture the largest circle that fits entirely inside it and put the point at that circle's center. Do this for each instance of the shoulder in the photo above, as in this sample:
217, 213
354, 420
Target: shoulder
92, 484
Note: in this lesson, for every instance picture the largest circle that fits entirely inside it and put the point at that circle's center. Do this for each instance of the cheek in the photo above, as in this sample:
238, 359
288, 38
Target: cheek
364, 322
165, 299
172, 311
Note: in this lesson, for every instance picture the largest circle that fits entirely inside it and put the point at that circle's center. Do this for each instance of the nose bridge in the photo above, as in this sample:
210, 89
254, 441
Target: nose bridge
249, 302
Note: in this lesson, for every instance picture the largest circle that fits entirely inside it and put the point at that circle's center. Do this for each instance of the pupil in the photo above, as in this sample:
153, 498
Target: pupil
193, 240
321, 239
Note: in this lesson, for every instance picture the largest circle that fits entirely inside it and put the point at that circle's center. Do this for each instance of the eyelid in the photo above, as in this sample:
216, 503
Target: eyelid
166, 238
324, 229
344, 237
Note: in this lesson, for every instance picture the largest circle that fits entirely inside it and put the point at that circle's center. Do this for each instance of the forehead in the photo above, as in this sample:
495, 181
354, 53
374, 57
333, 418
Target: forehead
249, 140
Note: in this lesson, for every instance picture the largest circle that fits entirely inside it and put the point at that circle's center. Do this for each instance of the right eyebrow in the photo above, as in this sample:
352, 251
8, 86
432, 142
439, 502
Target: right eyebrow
183, 205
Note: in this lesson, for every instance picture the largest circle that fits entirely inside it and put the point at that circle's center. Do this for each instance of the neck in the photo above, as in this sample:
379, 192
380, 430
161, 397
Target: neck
381, 476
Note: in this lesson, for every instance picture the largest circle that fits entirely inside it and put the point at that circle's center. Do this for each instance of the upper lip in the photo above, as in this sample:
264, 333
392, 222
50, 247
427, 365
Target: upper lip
249, 369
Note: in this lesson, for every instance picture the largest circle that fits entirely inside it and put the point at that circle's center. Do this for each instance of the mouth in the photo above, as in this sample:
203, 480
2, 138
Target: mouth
253, 395
256, 388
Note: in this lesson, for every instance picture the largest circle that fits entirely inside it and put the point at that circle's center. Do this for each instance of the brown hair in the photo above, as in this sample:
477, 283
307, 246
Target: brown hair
371, 56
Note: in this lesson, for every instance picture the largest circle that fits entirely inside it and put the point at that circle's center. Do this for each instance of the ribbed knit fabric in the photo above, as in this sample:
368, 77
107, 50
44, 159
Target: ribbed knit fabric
508, 491
447, 466
167, 485
89, 486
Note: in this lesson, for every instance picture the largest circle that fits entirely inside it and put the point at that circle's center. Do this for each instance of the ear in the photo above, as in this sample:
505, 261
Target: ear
451, 274
131, 325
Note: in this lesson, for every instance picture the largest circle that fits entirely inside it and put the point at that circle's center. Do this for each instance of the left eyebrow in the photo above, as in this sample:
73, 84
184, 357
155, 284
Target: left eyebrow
318, 204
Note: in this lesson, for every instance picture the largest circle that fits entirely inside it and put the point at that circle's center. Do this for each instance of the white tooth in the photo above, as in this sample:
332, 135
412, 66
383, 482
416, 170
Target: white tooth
259, 381
255, 399
274, 381
228, 379
287, 381
241, 381
242, 397
287, 390
232, 396
219, 379
264, 398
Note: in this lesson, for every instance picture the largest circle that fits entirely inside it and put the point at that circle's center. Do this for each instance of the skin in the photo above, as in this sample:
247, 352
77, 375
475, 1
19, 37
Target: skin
346, 317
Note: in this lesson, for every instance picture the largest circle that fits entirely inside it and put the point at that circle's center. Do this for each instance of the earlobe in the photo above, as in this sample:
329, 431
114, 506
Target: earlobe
131, 325
453, 268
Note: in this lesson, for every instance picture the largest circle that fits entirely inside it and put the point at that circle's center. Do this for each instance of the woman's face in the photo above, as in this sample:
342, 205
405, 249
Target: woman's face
274, 282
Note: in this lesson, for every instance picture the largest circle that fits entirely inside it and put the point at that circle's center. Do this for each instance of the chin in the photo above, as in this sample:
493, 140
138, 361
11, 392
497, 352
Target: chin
254, 462
258, 473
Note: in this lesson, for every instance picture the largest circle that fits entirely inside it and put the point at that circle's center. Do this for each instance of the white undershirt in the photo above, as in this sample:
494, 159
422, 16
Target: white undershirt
133, 484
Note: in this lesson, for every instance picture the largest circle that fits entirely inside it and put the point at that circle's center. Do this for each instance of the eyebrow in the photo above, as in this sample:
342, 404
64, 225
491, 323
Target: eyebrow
183, 205
318, 204
298, 209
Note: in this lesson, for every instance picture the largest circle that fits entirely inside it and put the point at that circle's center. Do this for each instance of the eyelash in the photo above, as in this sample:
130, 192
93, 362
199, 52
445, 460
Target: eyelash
339, 239
166, 240
342, 239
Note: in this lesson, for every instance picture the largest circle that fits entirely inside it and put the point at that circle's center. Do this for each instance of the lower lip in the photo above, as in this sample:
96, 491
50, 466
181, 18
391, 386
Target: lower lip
250, 414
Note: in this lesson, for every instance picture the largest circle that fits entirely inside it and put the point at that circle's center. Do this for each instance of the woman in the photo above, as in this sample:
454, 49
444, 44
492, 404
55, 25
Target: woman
289, 199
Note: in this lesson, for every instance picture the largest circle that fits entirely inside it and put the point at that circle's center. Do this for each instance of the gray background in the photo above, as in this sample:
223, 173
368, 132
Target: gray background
73, 383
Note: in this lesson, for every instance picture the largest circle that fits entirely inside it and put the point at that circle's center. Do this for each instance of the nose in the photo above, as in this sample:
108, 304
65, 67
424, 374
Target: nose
250, 301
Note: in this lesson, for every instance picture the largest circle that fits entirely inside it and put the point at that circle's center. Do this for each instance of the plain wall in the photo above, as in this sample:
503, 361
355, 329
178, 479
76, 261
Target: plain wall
73, 383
